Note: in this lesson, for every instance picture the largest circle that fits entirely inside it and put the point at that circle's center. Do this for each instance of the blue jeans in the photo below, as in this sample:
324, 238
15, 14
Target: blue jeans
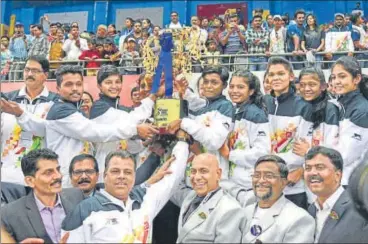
297, 66
361, 57
255, 66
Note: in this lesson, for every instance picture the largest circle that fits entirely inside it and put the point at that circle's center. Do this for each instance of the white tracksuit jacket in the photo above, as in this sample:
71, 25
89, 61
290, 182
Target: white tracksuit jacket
108, 111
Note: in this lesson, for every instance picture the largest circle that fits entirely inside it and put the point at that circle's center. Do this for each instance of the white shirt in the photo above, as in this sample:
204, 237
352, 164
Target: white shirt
72, 51
255, 224
322, 214
175, 26
126, 206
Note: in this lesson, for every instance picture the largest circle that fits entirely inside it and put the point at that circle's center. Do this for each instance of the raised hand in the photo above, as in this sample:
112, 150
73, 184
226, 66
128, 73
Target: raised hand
11, 107
147, 131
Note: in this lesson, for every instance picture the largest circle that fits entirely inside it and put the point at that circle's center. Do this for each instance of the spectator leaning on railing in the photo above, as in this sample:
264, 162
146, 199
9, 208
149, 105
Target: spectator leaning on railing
18, 49
293, 38
257, 39
313, 39
74, 46
360, 38
232, 38
338, 39
277, 36
56, 52
39, 45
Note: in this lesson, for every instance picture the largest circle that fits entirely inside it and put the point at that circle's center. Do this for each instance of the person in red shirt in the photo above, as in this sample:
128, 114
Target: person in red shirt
91, 55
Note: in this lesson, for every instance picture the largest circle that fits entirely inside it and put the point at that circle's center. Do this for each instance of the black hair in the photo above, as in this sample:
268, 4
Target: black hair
149, 23
137, 21
253, 84
120, 154
82, 157
315, 21
88, 94
67, 69
299, 11
285, 18
105, 71
284, 62
221, 71
130, 19
134, 89
280, 60
92, 41
220, 19
112, 26
5, 37
351, 65
320, 103
40, 27
354, 18
174, 12
45, 65
257, 17
29, 162
334, 156
53, 24
283, 169
258, 10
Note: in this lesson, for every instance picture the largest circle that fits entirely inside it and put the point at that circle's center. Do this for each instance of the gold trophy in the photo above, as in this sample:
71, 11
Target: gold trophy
166, 109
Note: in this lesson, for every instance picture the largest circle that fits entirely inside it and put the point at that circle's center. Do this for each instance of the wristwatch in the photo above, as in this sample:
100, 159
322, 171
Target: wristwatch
145, 185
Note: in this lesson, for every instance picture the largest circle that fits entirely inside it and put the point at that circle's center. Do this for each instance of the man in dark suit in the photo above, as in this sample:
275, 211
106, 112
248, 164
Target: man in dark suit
40, 213
336, 218
11, 192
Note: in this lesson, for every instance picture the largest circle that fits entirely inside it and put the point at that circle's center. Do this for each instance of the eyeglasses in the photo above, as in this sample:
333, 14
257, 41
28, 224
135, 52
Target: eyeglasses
34, 71
88, 172
266, 176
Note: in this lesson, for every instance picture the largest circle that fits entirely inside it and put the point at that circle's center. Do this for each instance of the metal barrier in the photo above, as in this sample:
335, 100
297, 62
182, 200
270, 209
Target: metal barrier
227, 60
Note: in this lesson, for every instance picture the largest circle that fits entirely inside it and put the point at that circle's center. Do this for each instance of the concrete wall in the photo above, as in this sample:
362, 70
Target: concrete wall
103, 12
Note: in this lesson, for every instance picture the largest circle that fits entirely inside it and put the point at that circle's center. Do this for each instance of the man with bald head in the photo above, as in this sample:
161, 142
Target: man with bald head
207, 214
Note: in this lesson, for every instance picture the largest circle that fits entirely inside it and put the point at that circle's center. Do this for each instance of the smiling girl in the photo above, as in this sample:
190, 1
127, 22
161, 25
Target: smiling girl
290, 120
250, 138
325, 114
349, 84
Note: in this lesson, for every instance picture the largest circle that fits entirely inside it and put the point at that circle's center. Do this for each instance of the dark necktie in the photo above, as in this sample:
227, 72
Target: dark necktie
192, 207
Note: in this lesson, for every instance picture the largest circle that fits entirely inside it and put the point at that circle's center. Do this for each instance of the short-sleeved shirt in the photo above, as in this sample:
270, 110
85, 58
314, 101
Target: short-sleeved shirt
313, 38
293, 30
233, 45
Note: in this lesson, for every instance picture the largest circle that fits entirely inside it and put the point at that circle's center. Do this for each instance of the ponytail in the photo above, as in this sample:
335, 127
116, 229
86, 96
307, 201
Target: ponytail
320, 103
363, 86
253, 84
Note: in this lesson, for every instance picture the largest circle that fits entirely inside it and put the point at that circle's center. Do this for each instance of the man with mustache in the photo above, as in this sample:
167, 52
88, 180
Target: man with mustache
208, 213
66, 130
35, 98
118, 214
336, 218
38, 215
84, 172
274, 218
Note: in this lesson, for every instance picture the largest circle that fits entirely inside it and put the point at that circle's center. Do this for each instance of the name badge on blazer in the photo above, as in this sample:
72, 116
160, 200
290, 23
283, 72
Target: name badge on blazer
256, 230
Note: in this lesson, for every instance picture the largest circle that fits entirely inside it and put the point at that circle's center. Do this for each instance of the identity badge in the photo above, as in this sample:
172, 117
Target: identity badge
256, 230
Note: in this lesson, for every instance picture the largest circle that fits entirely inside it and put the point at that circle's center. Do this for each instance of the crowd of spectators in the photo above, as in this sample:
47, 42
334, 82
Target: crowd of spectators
276, 35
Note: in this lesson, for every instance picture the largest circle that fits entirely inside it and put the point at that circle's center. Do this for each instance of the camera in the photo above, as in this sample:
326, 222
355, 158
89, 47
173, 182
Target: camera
358, 188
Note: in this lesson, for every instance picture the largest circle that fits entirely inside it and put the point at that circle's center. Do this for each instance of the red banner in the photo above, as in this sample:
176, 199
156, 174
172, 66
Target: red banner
90, 85
211, 10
